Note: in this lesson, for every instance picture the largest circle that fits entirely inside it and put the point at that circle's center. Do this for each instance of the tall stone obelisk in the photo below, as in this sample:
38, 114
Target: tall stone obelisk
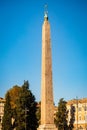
47, 107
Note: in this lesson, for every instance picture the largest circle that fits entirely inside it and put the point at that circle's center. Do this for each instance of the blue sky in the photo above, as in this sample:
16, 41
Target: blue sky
20, 45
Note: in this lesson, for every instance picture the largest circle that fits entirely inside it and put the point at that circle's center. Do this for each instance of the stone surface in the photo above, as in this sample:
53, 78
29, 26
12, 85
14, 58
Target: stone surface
47, 107
47, 127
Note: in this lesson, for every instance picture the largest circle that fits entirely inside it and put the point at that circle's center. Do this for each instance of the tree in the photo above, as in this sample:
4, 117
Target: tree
61, 115
14, 95
38, 113
26, 109
7, 118
72, 119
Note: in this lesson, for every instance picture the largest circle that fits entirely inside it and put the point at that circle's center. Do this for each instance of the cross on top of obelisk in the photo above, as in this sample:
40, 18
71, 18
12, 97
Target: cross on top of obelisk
45, 12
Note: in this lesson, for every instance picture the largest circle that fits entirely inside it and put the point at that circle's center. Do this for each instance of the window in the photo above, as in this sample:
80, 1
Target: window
0, 119
85, 117
79, 109
85, 108
80, 128
80, 118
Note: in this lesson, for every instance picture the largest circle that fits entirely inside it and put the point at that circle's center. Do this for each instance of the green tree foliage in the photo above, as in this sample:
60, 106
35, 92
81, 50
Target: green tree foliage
72, 119
26, 109
61, 115
20, 109
7, 118
38, 113
14, 95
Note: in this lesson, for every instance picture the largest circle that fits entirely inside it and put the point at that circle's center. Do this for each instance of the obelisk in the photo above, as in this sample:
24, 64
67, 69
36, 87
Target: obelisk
47, 107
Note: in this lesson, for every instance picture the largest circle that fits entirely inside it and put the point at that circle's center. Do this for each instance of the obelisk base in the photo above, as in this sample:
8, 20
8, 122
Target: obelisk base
47, 127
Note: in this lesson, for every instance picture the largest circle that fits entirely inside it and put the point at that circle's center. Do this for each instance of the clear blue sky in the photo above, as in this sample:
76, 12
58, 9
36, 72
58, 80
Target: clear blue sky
20, 45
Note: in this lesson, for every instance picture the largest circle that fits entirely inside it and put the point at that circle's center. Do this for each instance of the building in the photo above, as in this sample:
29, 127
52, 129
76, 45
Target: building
2, 102
80, 113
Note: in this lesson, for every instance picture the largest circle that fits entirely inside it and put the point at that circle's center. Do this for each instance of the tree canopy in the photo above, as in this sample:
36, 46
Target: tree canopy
72, 119
21, 108
7, 118
14, 95
61, 118
26, 109
61, 115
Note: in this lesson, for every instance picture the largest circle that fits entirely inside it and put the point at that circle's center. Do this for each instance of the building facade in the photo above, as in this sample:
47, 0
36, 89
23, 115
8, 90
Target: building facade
80, 113
2, 102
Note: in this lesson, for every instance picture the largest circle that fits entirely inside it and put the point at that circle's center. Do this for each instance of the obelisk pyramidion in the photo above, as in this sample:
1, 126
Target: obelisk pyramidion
47, 107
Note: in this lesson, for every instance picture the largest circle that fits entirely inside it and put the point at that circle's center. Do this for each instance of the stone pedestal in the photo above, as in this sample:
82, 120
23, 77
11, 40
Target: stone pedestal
47, 127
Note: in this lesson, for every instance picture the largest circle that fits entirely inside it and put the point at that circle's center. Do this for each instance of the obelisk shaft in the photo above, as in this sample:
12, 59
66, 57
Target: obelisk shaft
47, 109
